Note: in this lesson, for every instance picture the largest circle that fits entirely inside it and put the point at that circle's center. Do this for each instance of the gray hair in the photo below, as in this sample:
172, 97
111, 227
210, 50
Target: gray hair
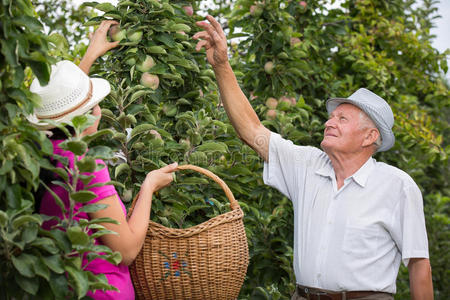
366, 122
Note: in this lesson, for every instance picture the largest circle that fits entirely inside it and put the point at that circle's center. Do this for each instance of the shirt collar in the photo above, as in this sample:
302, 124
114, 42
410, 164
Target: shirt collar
327, 170
360, 176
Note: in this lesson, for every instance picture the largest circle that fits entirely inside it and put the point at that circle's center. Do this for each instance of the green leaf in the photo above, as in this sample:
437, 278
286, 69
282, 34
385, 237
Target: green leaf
92, 208
76, 147
123, 167
115, 258
127, 3
29, 22
77, 236
25, 220
105, 7
41, 70
58, 200
9, 53
111, 182
141, 129
59, 285
82, 122
180, 27
25, 7
6, 167
100, 233
86, 179
61, 239
101, 152
158, 69
83, 196
156, 50
89, 138
41, 269
86, 165
24, 264
198, 158
192, 94
46, 145
103, 220
155, 3
99, 282
3, 218
213, 147
194, 208
194, 180
46, 244
59, 41
64, 161
29, 234
239, 170
30, 285
54, 262
137, 95
183, 101
79, 279
166, 39
38, 56
116, 16
166, 6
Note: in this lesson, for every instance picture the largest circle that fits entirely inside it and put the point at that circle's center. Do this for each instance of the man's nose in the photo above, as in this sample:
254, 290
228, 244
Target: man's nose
330, 122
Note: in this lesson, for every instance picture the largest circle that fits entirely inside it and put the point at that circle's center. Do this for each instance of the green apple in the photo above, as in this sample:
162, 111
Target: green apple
147, 64
131, 61
135, 37
295, 41
271, 102
256, 10
116, 34
271, 114
268, 67
188, 10
150, 80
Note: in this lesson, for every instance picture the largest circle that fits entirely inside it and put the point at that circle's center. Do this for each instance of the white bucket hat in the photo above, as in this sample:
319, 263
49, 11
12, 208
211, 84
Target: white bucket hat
69, 93
376, 108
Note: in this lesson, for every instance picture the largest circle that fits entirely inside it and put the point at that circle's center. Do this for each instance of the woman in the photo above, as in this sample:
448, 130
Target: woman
71, 92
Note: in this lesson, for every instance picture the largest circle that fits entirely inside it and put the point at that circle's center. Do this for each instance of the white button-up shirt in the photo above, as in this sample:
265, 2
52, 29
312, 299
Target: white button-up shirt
352, 238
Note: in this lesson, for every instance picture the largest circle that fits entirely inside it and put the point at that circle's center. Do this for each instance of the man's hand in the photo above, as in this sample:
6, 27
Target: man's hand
242, 116
214, 41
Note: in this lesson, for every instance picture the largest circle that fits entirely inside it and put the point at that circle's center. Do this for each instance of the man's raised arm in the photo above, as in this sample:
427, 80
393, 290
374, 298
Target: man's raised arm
238, 108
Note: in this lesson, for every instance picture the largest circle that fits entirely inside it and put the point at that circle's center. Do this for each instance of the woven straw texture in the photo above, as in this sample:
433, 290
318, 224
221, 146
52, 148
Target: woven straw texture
206, 261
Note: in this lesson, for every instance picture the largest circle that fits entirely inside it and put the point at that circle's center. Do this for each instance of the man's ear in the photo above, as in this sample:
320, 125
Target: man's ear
371, 135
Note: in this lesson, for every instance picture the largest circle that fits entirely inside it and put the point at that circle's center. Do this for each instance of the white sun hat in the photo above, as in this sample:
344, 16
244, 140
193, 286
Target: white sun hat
376, 108
69, 93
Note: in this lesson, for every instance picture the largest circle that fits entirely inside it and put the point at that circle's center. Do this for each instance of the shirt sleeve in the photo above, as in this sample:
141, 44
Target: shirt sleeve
285, 164
101, 176
408, 228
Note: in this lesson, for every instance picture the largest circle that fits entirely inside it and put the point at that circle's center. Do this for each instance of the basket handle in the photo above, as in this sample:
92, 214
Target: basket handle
233, 203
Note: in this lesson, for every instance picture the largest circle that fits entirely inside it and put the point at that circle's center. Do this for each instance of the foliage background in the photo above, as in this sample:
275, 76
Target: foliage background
382, 45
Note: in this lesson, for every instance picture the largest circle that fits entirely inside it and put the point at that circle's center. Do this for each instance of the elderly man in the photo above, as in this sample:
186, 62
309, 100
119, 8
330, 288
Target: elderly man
356, 219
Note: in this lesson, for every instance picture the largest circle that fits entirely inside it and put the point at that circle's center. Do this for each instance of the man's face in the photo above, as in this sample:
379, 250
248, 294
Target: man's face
343, 132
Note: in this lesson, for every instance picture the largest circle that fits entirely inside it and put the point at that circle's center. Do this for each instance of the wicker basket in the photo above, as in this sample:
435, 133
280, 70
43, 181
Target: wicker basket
206, 261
